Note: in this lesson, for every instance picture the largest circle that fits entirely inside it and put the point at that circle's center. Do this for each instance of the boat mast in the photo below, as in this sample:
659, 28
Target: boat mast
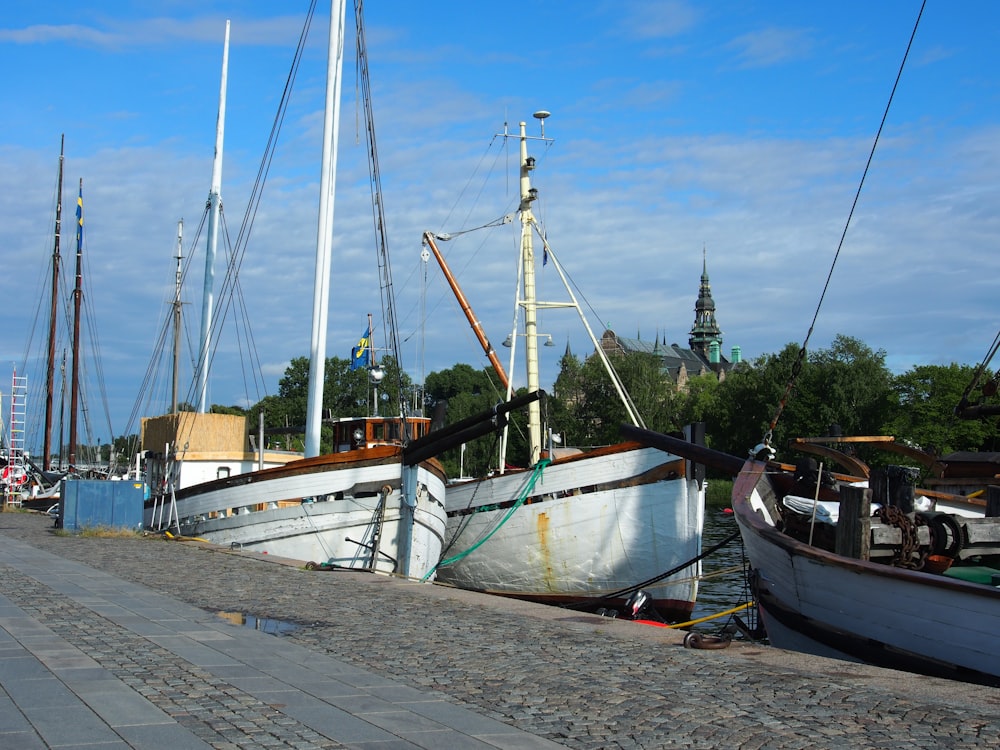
324, 231
53, 316
214, 209
529, 302
74, 389
477, 327
177, 316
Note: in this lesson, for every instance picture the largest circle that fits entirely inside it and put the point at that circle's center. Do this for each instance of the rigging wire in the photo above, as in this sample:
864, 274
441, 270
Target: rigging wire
230, 287
797, 367
386, 291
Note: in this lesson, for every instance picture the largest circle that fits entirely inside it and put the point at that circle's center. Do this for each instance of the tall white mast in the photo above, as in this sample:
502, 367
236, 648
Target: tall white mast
528, 195
214, 208
324, 231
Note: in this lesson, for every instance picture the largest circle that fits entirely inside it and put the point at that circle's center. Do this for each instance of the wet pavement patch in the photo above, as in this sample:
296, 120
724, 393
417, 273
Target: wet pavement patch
263, 624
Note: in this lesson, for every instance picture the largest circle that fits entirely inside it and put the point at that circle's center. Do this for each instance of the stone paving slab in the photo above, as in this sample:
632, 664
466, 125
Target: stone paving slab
380, 662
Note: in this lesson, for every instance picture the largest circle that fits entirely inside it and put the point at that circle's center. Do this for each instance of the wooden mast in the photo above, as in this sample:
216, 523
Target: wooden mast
53, 316
77, 302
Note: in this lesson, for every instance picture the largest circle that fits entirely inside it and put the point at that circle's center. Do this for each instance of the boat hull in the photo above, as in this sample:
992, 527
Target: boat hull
324, 510
821, 603
593, 526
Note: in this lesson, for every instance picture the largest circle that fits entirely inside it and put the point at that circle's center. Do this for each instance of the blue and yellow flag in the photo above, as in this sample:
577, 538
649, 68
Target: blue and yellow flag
361, 354
79, 218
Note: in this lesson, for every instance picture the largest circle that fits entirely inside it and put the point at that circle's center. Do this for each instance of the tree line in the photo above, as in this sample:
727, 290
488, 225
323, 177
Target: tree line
847, 385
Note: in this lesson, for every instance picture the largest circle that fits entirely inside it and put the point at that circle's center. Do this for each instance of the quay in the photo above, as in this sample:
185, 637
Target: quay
130, 642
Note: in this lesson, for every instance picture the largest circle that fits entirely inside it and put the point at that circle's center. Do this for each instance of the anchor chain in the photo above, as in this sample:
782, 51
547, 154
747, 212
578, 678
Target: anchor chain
909, 553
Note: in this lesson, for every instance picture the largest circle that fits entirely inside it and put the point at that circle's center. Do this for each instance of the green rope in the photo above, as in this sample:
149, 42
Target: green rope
536, 474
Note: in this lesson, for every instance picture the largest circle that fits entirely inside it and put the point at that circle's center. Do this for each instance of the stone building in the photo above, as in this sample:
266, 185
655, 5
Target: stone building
704, 350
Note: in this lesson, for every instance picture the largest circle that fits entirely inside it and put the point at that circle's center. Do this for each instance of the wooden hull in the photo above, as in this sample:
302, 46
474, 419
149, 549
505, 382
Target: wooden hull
819, 602
592, 526
322, 510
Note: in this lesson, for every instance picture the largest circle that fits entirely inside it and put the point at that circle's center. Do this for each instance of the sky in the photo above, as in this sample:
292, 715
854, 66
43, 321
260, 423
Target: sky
731, 134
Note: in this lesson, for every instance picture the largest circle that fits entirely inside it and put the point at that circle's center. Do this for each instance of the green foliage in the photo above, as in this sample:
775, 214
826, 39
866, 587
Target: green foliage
233, 410
928, 395
719, 494
847, 384
745, 402
346, 393
462, 392
587, 410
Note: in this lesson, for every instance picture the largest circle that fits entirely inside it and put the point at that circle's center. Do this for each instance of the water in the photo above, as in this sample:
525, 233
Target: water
724, 584
263, 624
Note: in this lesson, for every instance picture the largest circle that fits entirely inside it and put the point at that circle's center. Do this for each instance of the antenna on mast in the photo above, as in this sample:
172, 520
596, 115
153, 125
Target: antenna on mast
540, 115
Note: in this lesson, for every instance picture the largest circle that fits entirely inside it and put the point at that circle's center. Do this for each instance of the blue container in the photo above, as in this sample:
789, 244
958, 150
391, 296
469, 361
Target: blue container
93, 503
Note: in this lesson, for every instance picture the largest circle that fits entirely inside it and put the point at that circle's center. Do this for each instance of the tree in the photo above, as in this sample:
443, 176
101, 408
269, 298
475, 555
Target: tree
846, 385
928, 395
346, 393
234, 410
461, 392
746, 401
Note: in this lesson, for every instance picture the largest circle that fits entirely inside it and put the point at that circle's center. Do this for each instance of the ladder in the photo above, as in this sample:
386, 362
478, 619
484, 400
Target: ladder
14, 473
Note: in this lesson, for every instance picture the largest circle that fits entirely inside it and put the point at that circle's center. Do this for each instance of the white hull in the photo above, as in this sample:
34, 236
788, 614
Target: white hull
822, 603
594, 525
322, 510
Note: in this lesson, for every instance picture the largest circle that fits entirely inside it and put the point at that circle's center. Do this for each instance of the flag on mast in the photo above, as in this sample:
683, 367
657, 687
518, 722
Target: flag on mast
79, 217
361, 354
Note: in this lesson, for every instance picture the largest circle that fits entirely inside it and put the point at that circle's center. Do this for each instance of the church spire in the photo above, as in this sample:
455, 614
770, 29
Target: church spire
705, 330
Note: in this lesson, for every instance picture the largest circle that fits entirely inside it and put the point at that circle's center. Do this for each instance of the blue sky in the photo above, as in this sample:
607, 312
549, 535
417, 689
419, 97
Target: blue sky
735, 129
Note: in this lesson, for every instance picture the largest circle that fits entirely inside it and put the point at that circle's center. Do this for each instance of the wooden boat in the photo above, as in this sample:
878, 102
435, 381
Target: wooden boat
362, 506
955, 482
582, 528
910, 591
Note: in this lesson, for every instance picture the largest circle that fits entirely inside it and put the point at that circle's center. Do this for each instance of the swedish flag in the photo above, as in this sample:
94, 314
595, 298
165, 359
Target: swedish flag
361, 354
79, 217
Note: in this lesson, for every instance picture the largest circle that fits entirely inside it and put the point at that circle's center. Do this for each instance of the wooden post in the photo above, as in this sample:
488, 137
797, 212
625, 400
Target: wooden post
879, 483
992, 501
854, 524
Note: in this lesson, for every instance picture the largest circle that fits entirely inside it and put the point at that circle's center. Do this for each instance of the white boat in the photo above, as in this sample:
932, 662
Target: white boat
821, 602
905, 590
362, 506
584, 528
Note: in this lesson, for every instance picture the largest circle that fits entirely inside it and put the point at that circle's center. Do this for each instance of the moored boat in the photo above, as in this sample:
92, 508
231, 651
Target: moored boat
899, 588
815, 600
360, 506
586, 528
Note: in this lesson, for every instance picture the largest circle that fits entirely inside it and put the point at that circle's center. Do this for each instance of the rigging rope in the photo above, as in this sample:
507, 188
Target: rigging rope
536, 474
388, 297
797, 367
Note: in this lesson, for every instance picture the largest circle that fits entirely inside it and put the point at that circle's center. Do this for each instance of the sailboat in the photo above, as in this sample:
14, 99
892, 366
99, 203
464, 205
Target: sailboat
363, 506
577, 528
34, 482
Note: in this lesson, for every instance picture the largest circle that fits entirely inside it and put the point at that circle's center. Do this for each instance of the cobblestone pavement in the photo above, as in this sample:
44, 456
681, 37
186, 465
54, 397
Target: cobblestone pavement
581, 681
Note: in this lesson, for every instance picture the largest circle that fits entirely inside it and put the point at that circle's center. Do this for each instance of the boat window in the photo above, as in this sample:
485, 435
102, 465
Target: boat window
378, 431
222, 472
342, 440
